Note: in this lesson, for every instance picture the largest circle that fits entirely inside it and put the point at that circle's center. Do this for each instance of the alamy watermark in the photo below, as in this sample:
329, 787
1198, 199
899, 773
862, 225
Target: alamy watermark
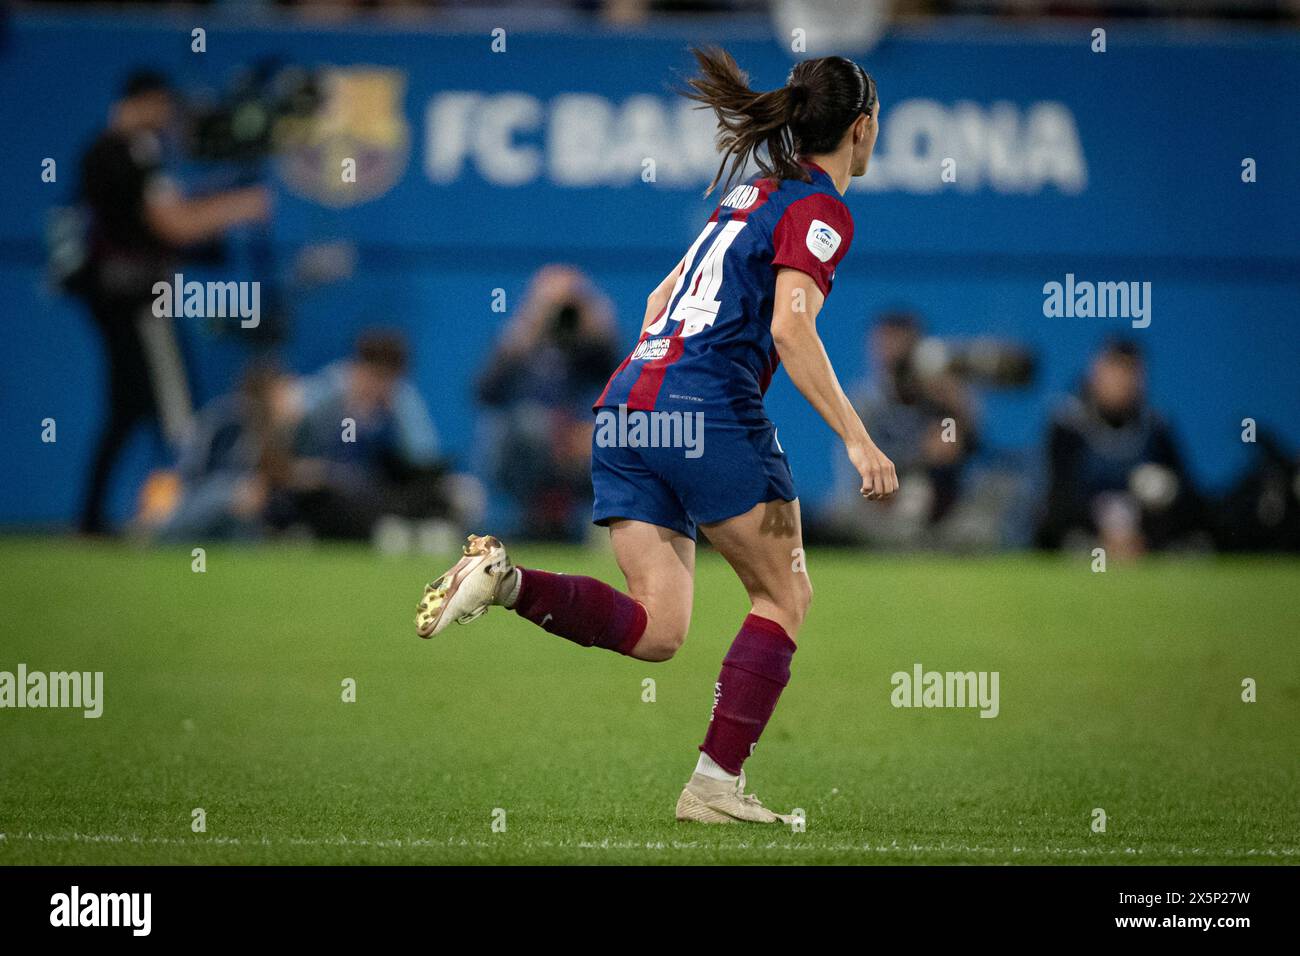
130, 910
633, 428
77, 690
922, 688
209, 300
1101, 300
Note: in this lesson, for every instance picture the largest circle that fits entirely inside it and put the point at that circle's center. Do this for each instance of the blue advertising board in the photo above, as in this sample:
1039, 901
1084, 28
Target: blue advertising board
1009, 158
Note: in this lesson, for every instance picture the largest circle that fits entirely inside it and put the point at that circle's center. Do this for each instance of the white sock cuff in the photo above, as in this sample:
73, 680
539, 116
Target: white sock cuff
511, 593
706, 766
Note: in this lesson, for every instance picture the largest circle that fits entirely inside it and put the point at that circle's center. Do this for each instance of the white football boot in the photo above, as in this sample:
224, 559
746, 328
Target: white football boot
706, 800
468, 588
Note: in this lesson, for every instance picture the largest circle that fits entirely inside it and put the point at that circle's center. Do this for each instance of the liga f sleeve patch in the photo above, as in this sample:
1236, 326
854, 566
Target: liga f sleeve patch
813, 235
822, 240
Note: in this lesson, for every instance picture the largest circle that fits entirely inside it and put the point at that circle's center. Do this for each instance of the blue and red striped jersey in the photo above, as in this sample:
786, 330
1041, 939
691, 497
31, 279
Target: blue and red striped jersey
711, 348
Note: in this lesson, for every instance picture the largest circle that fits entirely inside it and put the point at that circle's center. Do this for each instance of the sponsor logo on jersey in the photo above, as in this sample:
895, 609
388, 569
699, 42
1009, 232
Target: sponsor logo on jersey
651, 349
822, 240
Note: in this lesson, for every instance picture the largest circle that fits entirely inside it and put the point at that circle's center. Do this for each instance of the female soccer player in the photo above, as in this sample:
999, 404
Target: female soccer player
744, 298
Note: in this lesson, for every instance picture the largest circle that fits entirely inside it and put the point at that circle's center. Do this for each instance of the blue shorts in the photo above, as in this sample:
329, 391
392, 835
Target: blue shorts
733, 468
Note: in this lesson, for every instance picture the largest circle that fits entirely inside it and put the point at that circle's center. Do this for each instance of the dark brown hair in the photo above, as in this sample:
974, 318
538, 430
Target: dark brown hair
820, 100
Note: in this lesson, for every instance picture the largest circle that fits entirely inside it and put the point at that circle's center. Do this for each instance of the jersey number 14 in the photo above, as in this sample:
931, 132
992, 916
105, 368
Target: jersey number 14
698, 308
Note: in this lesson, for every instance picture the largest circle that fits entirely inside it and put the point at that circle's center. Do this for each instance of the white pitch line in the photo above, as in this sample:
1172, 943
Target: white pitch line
423, 843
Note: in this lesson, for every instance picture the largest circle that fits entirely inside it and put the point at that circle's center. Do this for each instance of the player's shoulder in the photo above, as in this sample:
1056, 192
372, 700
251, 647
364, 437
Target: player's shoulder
812, 215
776, 195
818, 199
790, 212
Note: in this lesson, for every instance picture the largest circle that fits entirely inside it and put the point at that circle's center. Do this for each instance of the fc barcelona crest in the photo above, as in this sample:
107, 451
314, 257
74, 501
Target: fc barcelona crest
357, 146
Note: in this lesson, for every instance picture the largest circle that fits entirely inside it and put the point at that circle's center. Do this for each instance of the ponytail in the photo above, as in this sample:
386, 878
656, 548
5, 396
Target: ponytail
746, 119
809, 115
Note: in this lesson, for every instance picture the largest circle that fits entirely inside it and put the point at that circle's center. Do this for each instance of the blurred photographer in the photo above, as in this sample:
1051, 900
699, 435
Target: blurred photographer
920, 400
139, 225
1115, 474
223, 476
365, 449
540, 381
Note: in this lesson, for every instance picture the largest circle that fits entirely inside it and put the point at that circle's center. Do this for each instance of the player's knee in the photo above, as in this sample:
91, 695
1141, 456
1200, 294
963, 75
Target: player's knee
666, 632
667, 620
660, 642
799, 599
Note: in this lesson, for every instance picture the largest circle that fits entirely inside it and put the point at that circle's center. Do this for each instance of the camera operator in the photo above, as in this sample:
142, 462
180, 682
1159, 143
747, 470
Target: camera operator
139, 224
541, 380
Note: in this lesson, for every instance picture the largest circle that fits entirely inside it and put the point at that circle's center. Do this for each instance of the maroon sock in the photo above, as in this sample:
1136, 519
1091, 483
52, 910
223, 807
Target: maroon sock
580, 609
754, 672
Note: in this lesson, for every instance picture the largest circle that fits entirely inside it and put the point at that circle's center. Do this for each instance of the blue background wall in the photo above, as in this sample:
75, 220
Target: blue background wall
1137, 178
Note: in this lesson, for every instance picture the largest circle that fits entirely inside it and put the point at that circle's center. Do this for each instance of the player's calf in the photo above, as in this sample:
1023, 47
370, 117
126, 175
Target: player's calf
579, 609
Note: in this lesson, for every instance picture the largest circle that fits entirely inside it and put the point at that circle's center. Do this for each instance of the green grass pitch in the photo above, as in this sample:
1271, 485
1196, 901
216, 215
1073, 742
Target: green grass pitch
223, 691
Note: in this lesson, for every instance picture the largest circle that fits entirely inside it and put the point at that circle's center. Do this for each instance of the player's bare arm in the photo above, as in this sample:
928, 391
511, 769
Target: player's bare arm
657, 301
794, 332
